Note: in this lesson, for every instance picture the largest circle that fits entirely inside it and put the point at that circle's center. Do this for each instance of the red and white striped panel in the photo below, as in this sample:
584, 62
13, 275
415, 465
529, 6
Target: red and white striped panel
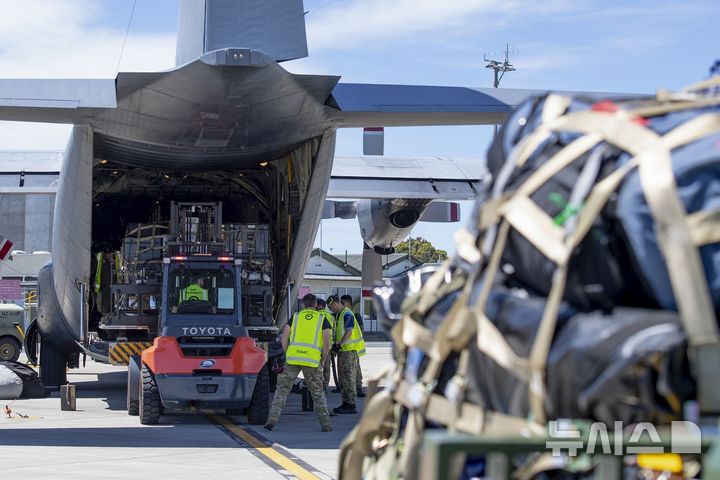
441, 212
5, 247
373, 141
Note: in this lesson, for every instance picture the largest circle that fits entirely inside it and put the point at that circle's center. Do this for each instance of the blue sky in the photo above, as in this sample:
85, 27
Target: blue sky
630, 46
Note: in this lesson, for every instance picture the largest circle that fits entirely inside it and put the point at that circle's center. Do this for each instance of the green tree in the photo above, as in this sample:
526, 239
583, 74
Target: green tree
422, 250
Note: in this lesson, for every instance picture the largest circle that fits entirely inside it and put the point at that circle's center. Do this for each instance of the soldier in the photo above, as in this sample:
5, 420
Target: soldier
107, 270
327, 366
194, 291
347, 302
348, 344
306, 350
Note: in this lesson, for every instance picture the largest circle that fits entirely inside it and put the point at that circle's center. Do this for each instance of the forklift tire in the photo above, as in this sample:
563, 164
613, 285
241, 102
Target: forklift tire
133, 386
52, 366
259, 409
150, 404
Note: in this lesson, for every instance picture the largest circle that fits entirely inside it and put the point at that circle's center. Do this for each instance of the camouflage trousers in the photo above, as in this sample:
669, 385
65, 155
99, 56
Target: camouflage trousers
358, 377
347, 365
313, 381
327, 370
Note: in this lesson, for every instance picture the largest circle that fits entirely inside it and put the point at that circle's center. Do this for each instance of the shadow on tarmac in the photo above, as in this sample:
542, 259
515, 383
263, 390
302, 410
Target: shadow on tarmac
301, 430
165, 436
111, 387
296, 429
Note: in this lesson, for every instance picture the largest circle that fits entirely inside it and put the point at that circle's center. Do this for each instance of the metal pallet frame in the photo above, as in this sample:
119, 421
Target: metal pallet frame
440, 449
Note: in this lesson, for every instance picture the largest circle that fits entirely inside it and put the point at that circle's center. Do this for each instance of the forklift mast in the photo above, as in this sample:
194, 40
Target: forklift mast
196, 229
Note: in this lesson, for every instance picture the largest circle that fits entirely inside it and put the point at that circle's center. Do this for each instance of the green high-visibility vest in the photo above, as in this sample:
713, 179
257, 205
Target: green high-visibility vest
193, 292
306, 342
356, 341
98, 269
327, 315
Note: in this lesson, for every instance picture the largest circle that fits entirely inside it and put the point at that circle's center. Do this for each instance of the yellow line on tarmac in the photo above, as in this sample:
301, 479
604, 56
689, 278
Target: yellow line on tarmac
260, 446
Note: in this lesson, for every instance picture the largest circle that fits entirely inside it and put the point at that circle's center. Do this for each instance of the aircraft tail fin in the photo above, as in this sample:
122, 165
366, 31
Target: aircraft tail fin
274, 27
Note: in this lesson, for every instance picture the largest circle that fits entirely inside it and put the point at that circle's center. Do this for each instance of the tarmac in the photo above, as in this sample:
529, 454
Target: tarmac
100, 440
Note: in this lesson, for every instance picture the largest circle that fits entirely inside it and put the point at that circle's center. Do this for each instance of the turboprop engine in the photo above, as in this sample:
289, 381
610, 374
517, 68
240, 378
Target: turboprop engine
385, 223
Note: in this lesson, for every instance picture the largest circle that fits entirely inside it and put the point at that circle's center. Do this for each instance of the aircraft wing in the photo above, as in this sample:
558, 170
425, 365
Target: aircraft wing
431, 178
363, 105
74, 101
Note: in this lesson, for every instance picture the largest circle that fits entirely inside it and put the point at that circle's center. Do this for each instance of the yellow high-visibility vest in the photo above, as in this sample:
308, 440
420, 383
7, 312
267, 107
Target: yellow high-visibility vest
329, 317
117, 267
117, 262
356, 341
98, 271
193, 292
306, 342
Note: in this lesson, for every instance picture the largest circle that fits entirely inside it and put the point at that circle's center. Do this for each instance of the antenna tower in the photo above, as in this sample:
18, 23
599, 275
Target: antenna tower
499, 68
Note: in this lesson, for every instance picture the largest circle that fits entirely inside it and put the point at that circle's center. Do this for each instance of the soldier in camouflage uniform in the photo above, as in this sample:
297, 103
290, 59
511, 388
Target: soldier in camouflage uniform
306, 350
347, 301
347, 373
348, 344
327, 366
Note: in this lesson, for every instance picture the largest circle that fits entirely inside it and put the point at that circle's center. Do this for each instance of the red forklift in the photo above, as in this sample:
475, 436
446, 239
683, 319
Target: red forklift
203, 356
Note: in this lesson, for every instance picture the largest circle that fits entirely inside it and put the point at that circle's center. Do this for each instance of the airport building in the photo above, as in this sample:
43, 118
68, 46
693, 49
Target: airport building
327, 274
28, 184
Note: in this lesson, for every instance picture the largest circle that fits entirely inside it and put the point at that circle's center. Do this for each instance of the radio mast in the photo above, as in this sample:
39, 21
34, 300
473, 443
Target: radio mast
499, 68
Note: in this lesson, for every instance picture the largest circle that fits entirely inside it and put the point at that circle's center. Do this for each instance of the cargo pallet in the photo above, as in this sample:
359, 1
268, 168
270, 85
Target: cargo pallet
441, 450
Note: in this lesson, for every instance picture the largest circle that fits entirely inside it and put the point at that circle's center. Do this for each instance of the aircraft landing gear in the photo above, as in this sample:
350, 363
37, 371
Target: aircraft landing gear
52, 366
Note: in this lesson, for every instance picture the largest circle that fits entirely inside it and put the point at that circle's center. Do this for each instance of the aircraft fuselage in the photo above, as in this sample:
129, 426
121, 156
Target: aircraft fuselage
232, 126
229, 109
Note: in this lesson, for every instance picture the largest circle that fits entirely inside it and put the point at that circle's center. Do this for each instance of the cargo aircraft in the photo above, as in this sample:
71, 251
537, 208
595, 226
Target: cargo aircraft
229, 124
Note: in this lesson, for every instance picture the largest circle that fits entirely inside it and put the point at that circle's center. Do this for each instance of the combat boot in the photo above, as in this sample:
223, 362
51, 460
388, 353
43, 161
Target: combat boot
345, 408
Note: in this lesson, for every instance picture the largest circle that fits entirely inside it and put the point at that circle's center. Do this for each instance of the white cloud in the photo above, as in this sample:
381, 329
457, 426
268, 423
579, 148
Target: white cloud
374, 21
51, 39
360, 22
418, 41
49, 16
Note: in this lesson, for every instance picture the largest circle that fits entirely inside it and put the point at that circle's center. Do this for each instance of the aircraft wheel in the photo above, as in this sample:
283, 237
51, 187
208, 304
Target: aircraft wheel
150, 406
52, 366
259, 409
30, 344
